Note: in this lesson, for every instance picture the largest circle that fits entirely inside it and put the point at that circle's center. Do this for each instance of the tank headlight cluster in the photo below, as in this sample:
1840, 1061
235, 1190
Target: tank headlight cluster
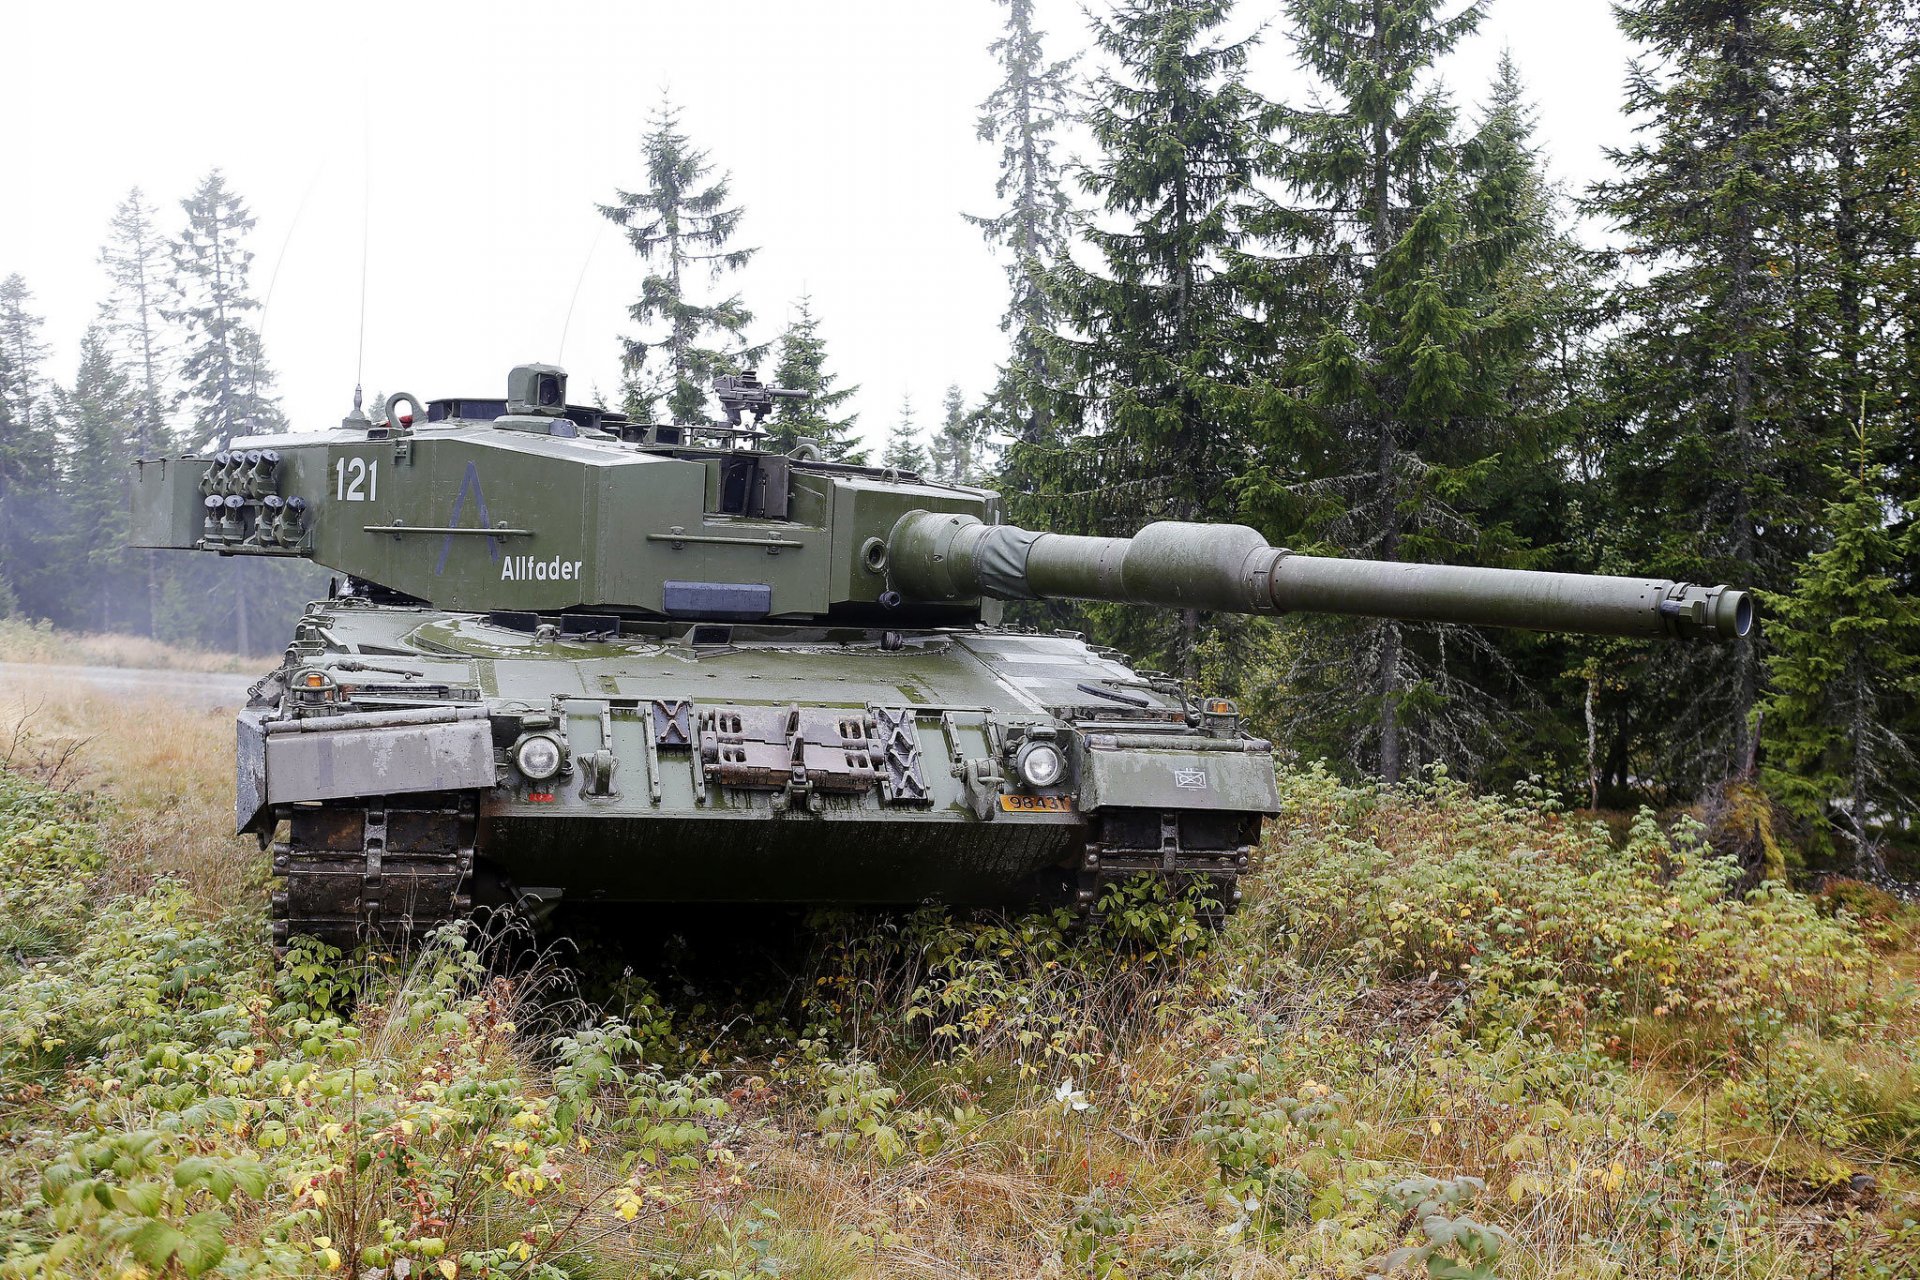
1040, 764
537, 757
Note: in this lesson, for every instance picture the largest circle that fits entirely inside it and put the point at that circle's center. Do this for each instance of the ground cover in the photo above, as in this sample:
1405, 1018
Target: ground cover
1448, 1034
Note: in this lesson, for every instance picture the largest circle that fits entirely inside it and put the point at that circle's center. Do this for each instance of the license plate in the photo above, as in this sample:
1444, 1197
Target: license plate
1037, 804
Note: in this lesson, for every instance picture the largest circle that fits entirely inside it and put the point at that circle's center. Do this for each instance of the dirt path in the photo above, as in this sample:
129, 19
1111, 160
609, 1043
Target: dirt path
194, 688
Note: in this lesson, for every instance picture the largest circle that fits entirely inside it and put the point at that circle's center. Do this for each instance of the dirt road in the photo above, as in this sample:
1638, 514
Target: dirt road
192, 688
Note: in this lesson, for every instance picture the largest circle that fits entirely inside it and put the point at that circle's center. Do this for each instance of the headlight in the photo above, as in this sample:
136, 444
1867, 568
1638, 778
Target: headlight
1040, 764
538, 757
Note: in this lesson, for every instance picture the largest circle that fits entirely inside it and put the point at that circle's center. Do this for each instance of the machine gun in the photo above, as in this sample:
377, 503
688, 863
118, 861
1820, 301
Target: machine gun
743, 393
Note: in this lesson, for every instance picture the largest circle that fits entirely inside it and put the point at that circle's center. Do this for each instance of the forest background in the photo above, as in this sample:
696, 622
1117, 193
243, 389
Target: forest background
1348, 308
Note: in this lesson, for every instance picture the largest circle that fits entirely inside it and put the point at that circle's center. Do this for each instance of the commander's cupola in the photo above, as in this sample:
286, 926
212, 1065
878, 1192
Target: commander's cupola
537, 401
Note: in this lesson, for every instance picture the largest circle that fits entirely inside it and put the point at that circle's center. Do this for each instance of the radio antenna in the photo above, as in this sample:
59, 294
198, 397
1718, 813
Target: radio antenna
366, 204
579, 280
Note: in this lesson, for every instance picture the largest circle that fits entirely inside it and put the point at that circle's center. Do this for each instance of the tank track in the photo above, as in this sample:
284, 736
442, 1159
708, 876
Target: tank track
376, 871
1180, 846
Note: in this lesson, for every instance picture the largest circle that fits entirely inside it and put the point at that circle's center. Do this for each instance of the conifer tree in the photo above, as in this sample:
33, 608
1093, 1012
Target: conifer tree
1022, 115
904, 451
27, 455
959, 450
1417, 341
228, 384
1158, 343
1844, 673
681, 225
1712, 473
801, 365
99, 417
135, 257
20, 340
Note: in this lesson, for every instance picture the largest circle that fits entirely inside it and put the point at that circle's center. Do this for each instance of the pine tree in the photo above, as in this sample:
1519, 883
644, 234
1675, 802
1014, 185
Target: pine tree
959, 451
135, 257
27, 455
1158, 344
1712, 474
681, 224
1022, 115
904, 451
802, 366
1844, 673
228, 384
100, 429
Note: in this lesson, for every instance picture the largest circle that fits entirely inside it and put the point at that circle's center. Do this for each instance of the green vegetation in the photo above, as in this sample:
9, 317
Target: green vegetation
1457, 1035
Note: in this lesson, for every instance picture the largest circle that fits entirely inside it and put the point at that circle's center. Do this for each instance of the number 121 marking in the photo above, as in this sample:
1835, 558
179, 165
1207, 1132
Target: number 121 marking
365, 483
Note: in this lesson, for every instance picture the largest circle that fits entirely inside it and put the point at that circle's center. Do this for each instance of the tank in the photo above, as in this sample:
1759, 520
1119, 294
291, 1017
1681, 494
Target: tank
574, 658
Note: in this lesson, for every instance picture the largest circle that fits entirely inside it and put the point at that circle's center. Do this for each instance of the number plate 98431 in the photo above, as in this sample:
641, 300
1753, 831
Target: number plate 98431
1037, 804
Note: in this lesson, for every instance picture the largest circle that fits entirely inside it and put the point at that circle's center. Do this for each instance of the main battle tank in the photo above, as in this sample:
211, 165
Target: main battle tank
576, 657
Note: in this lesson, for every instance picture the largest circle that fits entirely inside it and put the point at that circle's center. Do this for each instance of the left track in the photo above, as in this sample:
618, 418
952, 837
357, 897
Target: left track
382, 872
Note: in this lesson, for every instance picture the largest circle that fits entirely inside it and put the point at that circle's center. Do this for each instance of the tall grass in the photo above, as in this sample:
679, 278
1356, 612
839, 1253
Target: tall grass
1448, 1035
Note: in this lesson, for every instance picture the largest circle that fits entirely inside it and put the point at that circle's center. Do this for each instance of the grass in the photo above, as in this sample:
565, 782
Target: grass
1448, 1035
23, 641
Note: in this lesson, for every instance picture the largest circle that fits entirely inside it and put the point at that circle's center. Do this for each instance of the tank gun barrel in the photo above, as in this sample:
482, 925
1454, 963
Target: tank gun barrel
1232, 569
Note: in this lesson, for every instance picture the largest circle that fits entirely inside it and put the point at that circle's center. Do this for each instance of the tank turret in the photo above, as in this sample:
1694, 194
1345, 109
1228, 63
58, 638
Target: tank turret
573, 656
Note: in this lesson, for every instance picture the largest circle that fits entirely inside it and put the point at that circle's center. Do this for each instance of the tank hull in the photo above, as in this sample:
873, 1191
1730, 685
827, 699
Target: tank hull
724, 764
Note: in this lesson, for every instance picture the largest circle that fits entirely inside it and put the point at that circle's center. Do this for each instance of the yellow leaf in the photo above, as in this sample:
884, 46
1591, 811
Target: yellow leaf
1434, 1126
448, 1268
332, 1258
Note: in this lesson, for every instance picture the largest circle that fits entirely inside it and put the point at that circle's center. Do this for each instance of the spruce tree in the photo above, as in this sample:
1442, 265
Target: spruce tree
100, 429
20, 340
1022, 115
904, 451
28, 457
1713, 473
229, 389
1158, 343
228, 385
1418, 345
680, 225
959, 450
1844, 674
801, 365
135, 257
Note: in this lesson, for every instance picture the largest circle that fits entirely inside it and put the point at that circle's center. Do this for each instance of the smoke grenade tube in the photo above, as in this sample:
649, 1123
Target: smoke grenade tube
1231, 569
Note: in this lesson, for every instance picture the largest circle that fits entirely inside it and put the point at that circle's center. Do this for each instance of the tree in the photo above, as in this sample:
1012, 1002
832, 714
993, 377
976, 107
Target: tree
27, 454
959, 451
1844, 676
802, 366
228, 385
1158, 343
904, 451
1712, 472
1022, 115
135, 257
20, 341
227, 382
100, 428
1419, 344
680, 224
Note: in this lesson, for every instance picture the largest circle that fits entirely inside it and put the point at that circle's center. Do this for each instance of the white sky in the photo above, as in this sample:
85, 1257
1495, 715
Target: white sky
491, 129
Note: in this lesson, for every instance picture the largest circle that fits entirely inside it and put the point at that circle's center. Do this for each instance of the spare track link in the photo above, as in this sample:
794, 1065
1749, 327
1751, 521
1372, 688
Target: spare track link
1180, 846
376, 871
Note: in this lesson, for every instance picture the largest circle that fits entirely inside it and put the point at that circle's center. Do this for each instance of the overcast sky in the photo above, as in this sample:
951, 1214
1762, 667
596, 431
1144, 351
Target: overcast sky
486, 132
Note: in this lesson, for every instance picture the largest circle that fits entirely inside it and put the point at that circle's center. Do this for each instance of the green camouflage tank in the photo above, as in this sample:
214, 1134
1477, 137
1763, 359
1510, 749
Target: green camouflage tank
573, 657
